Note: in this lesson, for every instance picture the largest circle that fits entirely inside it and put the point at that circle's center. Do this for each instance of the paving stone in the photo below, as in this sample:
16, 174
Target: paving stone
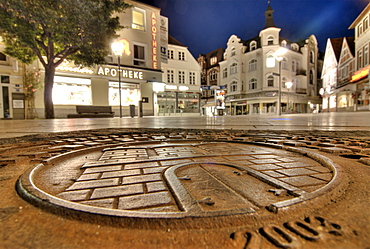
145, 200
265, 167
264, 161
300, 181
174, 162
94, 184
335, 150
265, 156
293, 164
295, 144
273, 174
154, 170
155, 186
325, 177
141, 165
296, 171
102, 169
78, 195
141, 178
86, 177
121, 173
117, 191
286, 159
105, 203
320, 169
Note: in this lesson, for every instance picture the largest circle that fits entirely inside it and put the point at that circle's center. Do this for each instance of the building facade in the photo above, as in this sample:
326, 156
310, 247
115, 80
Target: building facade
179, 94
257, 80
212, 94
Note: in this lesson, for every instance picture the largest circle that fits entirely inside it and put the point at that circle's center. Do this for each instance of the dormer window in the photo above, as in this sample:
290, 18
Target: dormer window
294, 47
283, 44
213, 60
270, 40
253, 45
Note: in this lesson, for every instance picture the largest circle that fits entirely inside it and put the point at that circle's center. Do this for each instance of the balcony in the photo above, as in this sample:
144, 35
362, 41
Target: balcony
301, 90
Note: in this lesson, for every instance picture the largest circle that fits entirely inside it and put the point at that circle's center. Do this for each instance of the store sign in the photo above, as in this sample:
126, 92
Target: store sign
128, 74
70, 67
164, 39
154, 41
363, 73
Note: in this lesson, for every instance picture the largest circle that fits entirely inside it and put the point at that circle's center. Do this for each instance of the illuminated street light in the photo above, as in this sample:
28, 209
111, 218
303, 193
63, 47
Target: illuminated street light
279, 57
288, 85
118, 48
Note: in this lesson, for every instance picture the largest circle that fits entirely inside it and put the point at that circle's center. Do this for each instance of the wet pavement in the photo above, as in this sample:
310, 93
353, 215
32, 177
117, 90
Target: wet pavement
116, 183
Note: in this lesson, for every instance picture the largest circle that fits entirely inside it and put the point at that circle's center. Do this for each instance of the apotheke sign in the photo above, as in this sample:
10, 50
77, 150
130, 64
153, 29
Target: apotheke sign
129, 74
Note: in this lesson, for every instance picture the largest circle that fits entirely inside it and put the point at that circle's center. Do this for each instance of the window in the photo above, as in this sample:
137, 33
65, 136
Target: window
270, 81
234, 68
270, 40
312, 58
252, 65
170, 54
359, 59
294, 47
170, 76
138, 19
311, 77
283, 43
192, 78
253, 45
366, 23
270, 61
181, 56
283, 81
366, 55
233, 51
181, 77
213, 60
5, 79
253, 84
224, 73
234, 86
213, 75
359, 30
2, 57
139, 55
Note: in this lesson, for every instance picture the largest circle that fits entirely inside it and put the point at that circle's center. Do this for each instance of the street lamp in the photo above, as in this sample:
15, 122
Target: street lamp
288, 85
118, 48
279, 57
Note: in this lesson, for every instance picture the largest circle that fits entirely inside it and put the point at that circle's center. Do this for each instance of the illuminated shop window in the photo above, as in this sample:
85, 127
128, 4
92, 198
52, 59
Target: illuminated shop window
130, 94
138, 19
71, 91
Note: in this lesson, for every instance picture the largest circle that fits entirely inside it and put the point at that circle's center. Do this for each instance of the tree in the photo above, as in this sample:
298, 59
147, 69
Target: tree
53, 30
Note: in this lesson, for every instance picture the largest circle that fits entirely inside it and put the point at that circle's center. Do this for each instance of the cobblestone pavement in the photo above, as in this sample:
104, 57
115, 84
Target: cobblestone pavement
262, 190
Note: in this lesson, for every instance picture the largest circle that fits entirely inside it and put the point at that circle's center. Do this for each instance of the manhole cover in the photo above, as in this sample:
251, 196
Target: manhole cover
177, 180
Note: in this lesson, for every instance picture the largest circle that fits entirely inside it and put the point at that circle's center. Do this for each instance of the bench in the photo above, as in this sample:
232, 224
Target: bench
90, 111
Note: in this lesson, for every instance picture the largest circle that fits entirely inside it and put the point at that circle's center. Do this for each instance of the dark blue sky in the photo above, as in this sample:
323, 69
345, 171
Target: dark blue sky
205, 25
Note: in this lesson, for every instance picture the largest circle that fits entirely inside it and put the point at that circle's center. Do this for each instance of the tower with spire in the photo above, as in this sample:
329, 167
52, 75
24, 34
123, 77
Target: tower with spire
269, 17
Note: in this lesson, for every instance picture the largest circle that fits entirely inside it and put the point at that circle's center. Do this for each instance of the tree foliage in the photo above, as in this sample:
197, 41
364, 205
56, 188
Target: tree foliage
53, 30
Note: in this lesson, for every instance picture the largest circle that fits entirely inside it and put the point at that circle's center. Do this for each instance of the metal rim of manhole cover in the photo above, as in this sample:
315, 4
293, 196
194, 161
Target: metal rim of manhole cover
180, 179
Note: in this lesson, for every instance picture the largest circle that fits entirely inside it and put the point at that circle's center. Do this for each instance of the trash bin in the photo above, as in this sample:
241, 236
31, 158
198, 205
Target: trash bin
132, 111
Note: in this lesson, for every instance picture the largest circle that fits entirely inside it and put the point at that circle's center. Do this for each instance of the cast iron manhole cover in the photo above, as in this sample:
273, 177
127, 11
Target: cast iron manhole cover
158, 179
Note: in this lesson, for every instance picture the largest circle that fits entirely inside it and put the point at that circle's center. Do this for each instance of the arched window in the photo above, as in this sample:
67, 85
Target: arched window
213, 75
252, 65
283, 43
294, 47
234, 86
234, 68
253, 84
270, 61
270, 40
270, 81
253, 45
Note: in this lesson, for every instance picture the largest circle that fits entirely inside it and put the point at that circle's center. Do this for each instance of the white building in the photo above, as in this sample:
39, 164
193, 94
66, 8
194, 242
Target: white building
252, 74
180, 95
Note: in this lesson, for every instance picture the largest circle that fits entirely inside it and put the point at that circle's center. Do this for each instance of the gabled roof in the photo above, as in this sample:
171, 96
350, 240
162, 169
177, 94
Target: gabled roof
359, 18
351, 44
337, 43
173, 41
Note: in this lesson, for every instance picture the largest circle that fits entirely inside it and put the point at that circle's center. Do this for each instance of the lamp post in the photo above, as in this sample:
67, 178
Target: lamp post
118, 48
279, 57
288, 85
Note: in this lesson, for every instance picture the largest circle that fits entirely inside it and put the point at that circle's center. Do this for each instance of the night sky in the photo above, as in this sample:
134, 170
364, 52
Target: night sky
206, 25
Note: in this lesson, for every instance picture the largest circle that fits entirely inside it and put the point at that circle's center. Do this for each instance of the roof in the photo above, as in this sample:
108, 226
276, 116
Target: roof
351, 44
359, 18
337, 43
173, 41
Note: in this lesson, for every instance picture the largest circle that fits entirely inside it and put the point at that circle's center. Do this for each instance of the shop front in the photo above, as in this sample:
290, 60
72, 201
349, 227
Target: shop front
176, 101
101, 86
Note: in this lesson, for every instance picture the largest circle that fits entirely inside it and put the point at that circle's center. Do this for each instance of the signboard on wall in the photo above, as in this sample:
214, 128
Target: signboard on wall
164, 38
